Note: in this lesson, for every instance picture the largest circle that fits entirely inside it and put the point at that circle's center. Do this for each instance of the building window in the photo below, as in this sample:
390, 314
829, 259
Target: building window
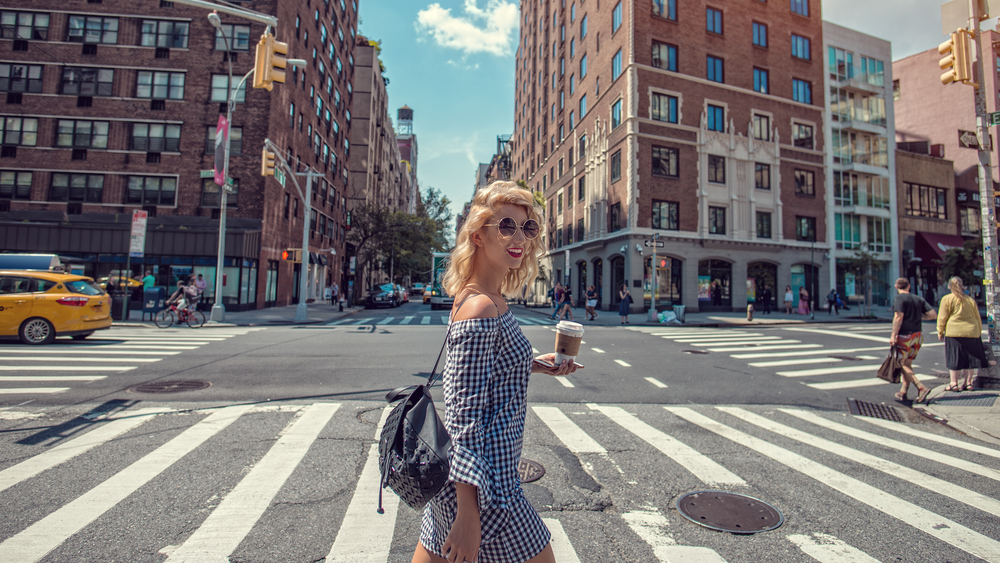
615, 217
802, 135
572, 84
560, 165
581, 188
160, 85
805, 228
925, 201
238, 37
583, 67
665, 56
82, 134
166, 34
19, 131
665, 9
580, 230
79, 81
616, 17
968, 216
616, 114
24, 25
666, 215
583, 105
716, 169
800, 7
847, 231
763, 224
801, 91
235, 141
211, 194
150, 190
762, 176
20, 78
156, 137
760, 35
582, 147
713, 20
800, 47
717, 220
716, 118
761, 127
714, 68
92, 29
219, 93
760, 80
664, 108
583, 27
616, 65
873, 71
88, 188
879, 234
616, 166
665, 161
804, 183
15, 185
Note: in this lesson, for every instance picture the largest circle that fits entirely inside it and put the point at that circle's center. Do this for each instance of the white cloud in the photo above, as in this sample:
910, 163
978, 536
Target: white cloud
478, 30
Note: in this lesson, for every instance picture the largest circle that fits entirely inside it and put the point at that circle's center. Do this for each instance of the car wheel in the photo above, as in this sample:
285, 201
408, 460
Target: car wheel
82, 336
37, 331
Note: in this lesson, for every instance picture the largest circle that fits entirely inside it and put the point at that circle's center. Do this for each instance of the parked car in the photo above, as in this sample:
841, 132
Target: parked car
117, 276
383, 295
427, 294
404, 296
37, 306
417, 289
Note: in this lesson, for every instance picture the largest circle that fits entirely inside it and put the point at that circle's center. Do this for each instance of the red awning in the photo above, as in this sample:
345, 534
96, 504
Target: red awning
932, 246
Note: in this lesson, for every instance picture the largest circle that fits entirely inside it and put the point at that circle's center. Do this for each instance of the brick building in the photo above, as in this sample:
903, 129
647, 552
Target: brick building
698, 121
111, 106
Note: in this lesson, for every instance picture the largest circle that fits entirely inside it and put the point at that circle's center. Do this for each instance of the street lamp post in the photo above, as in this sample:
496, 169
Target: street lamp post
812, 287
218, 309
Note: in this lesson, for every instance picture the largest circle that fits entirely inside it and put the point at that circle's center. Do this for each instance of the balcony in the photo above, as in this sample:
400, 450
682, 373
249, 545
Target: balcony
867, 83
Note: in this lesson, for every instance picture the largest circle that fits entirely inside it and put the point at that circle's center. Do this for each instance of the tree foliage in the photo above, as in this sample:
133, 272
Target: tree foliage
963, 262
863, 265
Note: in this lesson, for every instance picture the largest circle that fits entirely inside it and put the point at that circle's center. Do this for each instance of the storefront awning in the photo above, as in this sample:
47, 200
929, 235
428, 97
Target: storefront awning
323, 261
313, 258
932, 246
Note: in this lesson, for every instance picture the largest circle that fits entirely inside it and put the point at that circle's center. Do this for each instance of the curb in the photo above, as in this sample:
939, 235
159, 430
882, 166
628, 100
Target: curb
720, 324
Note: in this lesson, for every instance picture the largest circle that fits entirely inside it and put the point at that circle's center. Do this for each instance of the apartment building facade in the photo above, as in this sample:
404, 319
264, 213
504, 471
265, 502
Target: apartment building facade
112, 106
862, 210
700, 122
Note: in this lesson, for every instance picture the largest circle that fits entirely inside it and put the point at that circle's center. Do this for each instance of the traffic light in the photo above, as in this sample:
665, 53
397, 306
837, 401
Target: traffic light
958, 58
269, 63
267, 163
292, 255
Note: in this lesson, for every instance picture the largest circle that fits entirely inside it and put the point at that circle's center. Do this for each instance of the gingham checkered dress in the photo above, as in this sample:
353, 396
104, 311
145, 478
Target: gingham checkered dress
485, 385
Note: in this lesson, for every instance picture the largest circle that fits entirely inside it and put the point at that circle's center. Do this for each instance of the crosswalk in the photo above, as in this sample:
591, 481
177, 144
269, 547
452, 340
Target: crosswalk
49, 369
188, 477
425, 319
791, 357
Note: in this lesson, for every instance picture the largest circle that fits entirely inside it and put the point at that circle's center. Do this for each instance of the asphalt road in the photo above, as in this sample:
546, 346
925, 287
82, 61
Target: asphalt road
272, 462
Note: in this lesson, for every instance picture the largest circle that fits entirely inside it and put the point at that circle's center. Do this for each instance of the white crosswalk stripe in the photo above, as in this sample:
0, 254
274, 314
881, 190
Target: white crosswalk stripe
688, 442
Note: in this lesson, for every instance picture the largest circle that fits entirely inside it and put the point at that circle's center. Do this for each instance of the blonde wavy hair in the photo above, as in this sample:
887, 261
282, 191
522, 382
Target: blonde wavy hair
484, 205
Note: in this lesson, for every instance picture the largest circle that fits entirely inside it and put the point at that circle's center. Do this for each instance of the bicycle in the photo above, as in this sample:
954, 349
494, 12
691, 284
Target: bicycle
167, 317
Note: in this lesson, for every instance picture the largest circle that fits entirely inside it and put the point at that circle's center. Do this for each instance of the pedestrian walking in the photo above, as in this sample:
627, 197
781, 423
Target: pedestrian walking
960, 326
334, 293
788, 299
803, 301
831, 300
202, 285
557, 296
765, 299
481, 514
717, 294
148, 281
591, 303
907, 338
626, 298
566, 308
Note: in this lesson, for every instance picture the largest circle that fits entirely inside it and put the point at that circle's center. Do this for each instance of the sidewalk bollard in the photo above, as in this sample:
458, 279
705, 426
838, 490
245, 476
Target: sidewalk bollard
750, 312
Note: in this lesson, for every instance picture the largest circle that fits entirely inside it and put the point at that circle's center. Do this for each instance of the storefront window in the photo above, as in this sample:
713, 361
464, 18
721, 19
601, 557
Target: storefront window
668, 281
714, 284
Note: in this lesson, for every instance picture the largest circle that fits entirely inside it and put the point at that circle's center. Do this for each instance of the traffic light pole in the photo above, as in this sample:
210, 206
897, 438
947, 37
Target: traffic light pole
991, 285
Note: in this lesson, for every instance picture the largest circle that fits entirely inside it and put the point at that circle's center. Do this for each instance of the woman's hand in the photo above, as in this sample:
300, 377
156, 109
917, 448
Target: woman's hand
462, 543
565, 368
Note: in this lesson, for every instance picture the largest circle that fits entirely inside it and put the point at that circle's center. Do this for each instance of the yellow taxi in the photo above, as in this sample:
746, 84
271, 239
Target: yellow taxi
37, 306
427, 294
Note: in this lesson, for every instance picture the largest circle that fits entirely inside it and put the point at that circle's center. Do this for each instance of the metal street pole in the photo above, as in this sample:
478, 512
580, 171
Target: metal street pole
812, 272
986, 193
302, 311
652, 296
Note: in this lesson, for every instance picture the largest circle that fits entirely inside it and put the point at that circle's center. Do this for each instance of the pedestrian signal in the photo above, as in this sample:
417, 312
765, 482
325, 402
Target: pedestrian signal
292, 255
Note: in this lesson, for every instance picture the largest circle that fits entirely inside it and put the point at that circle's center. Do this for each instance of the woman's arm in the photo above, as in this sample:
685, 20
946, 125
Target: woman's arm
943, 314
462, 543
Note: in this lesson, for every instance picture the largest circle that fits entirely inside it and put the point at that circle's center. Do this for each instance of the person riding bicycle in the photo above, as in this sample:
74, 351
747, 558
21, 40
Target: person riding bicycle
186, 296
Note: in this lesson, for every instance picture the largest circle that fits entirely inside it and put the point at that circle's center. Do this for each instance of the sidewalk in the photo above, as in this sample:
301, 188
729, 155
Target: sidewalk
974, 413
318, 313
715, 319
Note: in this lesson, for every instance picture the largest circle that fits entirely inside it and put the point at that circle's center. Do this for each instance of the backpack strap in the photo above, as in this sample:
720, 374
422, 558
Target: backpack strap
433, 376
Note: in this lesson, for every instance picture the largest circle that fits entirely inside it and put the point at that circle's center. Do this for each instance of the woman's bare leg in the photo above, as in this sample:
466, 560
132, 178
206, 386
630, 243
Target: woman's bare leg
421, 555
546, 556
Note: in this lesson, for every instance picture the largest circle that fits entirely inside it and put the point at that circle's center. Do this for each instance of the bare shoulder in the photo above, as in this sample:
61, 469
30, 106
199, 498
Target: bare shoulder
476, 307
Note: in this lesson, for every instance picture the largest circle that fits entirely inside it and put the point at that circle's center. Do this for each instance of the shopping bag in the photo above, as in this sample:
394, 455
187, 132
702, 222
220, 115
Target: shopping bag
891, 368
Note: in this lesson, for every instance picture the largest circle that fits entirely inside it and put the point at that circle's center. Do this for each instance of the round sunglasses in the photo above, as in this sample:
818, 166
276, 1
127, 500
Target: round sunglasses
508, 227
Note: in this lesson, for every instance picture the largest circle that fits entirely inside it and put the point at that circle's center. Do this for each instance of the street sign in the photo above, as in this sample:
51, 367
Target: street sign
208, 173
994, 118
279, 176
653, 243
967, 139
137, 242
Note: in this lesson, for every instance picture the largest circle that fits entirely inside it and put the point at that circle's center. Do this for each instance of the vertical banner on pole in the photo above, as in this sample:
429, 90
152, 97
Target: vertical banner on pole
221, 133
137, 243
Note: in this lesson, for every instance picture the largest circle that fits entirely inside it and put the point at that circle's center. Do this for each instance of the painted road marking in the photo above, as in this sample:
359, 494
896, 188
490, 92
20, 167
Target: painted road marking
656, 382
425, 320
852, 383
561, 546
623, 363
598, 350
828, 549
406, 320
571, 435
798, 362
564, 380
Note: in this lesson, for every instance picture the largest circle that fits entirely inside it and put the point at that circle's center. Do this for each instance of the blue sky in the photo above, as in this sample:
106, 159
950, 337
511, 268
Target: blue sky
452, 61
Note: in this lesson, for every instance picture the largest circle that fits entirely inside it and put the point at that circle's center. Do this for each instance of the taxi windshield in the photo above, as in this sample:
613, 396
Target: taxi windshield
84, 287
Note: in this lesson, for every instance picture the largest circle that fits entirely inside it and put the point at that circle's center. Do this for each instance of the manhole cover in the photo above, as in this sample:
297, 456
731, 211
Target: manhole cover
874, 410
695, 351
530, 470
847, 358
729, 512
170, 386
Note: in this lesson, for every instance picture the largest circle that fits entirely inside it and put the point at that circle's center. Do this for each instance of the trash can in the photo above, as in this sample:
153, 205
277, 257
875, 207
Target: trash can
679, 311
119, 300
154, 300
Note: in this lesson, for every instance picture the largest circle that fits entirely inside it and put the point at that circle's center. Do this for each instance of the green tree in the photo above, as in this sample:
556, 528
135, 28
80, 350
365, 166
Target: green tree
963, 262
539, 197
863, 266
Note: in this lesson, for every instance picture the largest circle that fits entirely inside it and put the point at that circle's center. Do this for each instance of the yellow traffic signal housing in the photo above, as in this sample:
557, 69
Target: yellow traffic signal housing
269, 63
267, 159
958, 58
292, 255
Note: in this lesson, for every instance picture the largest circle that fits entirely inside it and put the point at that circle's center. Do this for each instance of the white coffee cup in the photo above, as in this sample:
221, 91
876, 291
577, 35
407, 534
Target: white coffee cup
568, 338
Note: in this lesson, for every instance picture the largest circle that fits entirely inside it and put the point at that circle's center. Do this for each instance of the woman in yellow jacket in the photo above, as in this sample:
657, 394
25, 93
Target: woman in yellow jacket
961, 327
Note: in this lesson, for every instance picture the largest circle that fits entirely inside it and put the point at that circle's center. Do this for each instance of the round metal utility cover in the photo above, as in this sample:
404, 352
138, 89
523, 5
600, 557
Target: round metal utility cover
176, 386
530, 470
729, 512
